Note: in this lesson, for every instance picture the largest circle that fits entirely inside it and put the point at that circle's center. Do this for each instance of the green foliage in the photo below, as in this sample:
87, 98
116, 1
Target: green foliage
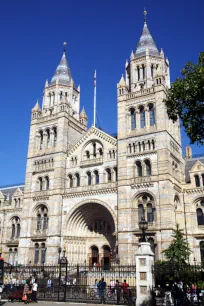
178, 251
185, 100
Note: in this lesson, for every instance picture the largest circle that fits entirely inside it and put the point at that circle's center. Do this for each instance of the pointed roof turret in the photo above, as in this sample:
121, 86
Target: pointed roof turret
122, 82
146, 42
83, 114
36, 108
62, 73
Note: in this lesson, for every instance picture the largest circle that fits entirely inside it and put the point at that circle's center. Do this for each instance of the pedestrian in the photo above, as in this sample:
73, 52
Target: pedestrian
102, 290
125, 288
34, 292
25, 293
175, 294
96, 287
112, 286
49, 285
118, 291
1, 290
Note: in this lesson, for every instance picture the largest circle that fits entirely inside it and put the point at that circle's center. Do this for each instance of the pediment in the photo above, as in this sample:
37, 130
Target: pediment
1, 195
18, 192
93, 133
197, 167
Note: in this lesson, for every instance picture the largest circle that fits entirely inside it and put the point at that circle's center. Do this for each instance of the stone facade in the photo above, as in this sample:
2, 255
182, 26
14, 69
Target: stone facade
85, 191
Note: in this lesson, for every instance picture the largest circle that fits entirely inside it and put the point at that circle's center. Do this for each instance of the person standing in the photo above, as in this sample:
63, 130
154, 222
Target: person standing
125, 287
112, 286
118, 291
34, 292
25, 293
102, 290
49, 285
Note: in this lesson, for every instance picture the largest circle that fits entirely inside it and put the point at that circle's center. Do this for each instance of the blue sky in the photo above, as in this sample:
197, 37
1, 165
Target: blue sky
100, 34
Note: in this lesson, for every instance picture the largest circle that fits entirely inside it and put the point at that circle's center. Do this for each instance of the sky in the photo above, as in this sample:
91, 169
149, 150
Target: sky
100, 34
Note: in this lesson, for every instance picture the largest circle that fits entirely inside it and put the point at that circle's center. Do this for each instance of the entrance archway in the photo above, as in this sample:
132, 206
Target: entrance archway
90, 227
106, 260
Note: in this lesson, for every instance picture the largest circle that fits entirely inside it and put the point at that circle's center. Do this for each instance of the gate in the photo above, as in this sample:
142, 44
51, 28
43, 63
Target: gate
72, 282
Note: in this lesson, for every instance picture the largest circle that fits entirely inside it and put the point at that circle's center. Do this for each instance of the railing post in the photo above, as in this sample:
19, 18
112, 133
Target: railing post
144, 275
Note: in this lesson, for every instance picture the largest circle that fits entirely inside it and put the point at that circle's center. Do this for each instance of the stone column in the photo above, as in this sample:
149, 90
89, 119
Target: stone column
141, 72
144, 276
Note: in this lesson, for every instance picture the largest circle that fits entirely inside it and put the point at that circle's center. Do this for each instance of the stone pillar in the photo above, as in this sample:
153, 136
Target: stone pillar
144, 276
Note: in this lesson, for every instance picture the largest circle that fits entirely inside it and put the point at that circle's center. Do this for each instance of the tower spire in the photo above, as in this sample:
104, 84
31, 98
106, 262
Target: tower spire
64, 44
145, 15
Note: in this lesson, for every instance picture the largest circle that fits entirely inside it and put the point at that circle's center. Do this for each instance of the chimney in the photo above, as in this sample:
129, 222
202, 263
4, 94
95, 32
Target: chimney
188, 152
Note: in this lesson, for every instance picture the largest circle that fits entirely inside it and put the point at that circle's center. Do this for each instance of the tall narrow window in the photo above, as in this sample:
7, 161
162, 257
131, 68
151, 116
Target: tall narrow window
87, 155
13, 231
108, 171
47, 183
116, 173
41, 140
45, 221
148, 168
203, 179
140, 212
38, 222
96, 177
197, 181
94, 149
151, 115
15, 261
18, 230
133, 119
77, 179
150, 214
152, 71
139, 168
89, 178
55, 136
142, 117
40, 183
202, 251
48, 138
36, 256
43, 253
10, 257
138, 73
200, 218
143, 71
70, 181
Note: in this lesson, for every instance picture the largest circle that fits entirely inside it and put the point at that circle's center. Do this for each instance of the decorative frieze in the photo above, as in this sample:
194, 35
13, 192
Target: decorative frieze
90, 193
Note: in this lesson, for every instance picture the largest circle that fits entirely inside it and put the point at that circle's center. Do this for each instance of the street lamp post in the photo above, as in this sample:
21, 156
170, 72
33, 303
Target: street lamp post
59, 251
143, 226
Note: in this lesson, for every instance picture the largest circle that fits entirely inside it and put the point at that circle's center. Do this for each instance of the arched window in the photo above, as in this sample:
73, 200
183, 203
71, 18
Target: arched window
47, 183
139, 168
150, 213
108, 175
43, 253
48, 137
94, 149
38, 222
18, 230
133, 119
55, 136
142, 117
96, 177
41, 139
77, 179
15, 262
197, 181
140, 212
151, 115
200, 218
70, 181
89, 178
202, 179
202, 251
45, 221
36, 256
87, 155
152, 71
148, 168
40, 181
116, 173
10, 260
13, 231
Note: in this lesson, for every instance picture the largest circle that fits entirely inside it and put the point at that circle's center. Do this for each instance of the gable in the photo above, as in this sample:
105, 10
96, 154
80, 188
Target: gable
1, 195
18, 192
93, 134
197, 167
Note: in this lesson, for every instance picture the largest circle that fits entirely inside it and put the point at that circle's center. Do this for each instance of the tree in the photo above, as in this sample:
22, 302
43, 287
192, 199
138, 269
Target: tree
178, 251
185, 100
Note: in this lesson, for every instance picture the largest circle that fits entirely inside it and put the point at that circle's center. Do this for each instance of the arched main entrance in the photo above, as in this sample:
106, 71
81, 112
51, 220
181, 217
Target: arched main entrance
91, 235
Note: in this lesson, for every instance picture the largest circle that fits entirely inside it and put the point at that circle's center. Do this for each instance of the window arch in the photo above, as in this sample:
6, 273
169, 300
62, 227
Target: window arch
10, 260
133, 118
13, 231
139, 168
47, 183
15, 228
148, 167
77, 179
150, 213
200, 218
70, 181
36, 255
96, 174
142, 116
140, 212
108, 175
116, 173
197, 181
151, 115
89, 181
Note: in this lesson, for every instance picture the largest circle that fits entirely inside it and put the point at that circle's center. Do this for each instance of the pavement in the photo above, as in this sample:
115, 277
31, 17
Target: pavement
47, 303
